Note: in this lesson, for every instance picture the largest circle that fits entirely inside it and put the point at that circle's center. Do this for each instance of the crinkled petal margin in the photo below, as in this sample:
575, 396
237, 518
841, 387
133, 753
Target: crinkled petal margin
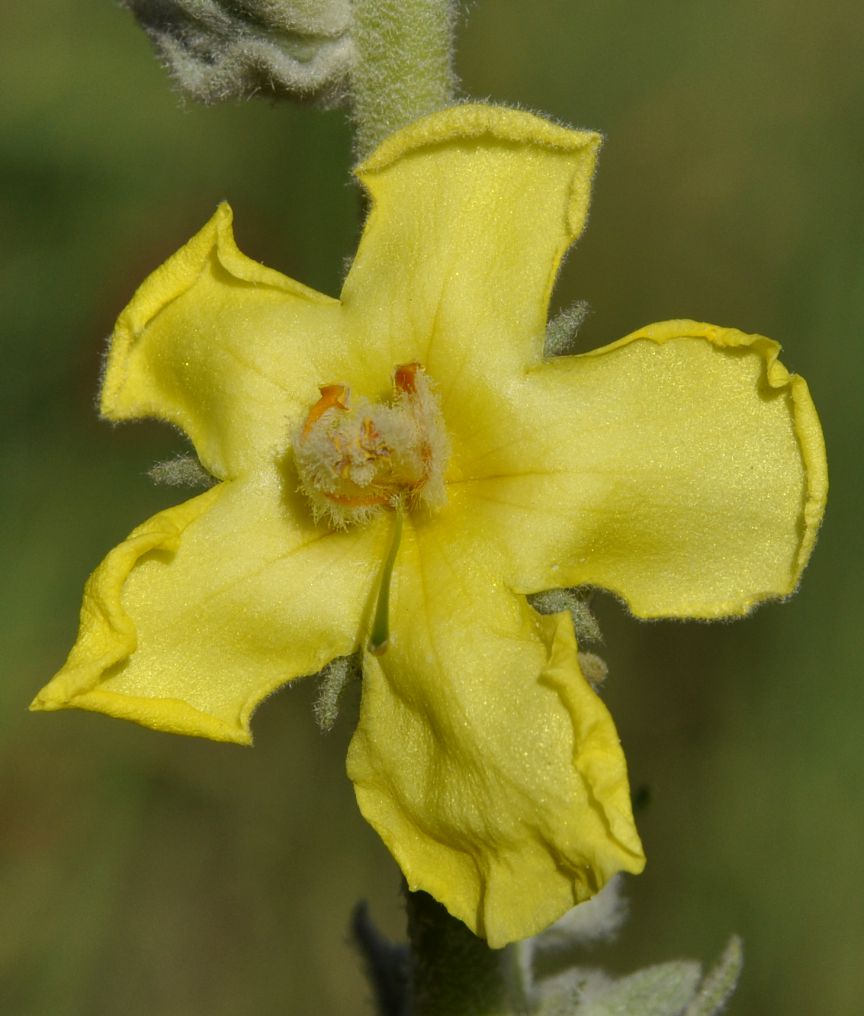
107, 636
483, 758
681, 468
808, 428
180, 637
223, 347
472, 209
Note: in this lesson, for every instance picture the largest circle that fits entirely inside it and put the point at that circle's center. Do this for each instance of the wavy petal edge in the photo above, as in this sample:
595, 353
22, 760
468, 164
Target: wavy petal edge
475, 120
607, 797
167, 283
107, 636
808, 431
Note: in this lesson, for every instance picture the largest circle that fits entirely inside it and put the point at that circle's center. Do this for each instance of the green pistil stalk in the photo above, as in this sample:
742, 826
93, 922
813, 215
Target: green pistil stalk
404, 65
381, 624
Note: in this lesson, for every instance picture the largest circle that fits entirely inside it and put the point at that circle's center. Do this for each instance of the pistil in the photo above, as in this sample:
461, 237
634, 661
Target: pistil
380, 636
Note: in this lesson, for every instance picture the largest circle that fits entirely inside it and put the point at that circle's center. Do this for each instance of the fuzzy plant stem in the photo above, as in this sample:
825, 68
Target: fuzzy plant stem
404, 70
404, 65
454, 973
443, 969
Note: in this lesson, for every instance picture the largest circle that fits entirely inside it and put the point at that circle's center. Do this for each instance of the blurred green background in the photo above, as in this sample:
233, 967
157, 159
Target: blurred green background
146, 874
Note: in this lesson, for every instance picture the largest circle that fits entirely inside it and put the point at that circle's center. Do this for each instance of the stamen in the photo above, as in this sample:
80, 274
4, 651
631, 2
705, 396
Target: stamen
405, 378
332, 396
355, 461
380, 636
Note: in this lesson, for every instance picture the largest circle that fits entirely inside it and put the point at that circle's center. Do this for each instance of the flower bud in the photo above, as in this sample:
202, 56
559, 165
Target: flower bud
218, 50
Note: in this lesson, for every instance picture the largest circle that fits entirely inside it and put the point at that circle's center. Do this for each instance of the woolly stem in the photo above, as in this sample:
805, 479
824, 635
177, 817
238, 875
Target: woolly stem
454, 972
404, 66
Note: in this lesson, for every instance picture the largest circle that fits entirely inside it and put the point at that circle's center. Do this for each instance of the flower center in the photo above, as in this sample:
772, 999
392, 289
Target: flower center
356, 460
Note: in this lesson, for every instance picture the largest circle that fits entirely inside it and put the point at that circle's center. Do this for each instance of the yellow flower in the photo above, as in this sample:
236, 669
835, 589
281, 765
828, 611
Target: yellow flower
682, 468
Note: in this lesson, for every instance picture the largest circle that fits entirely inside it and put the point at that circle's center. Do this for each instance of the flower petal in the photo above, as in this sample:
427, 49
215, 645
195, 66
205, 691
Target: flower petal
226, 349
682, 468
209, 607
472, 210
483, 758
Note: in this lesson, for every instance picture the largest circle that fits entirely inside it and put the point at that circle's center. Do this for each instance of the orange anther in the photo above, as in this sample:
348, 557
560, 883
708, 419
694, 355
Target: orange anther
371, 441
368, 430
332, 397
404, 378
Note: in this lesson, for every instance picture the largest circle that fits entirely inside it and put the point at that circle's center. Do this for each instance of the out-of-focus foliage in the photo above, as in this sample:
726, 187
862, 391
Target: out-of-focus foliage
143, 873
